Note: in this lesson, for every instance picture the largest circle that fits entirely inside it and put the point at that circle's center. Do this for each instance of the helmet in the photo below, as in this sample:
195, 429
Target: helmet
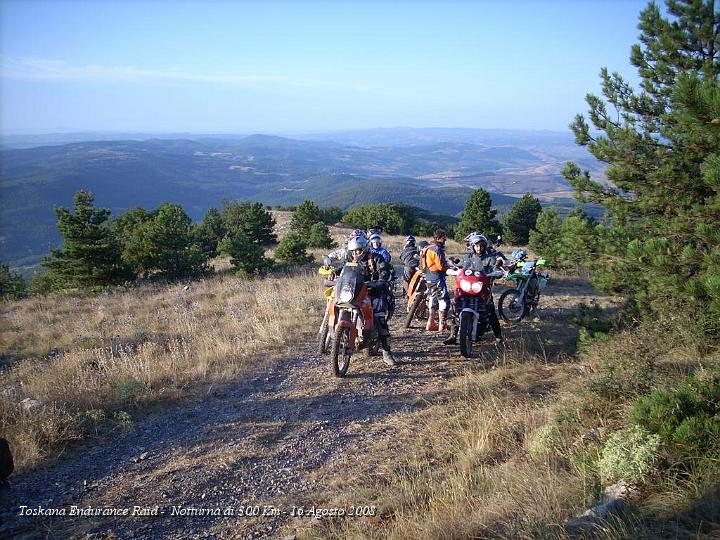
358, 242
476, 238
375, 237
519, 254
356, 232
423, 244
410, 240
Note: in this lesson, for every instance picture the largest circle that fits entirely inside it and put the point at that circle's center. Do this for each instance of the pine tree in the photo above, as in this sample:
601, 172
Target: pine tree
12, 285
662, 146
91, 253
544, 239
387, 217
208, 233
291, 249
319, 236
521, 220
247, 257
164, 243
577, 241
479, 216
252, 219
305, 215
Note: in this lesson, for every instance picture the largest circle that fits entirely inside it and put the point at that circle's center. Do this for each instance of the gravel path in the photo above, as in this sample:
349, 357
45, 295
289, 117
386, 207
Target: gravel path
249, 446
252, 446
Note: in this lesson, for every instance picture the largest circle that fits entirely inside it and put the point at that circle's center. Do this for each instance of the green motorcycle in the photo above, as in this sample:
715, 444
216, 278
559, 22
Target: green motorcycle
515, 304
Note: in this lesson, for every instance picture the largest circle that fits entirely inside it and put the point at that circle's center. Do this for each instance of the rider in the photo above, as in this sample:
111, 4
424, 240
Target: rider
410, 257
374, 269
376, 246
341, 253
484, 258
434, 265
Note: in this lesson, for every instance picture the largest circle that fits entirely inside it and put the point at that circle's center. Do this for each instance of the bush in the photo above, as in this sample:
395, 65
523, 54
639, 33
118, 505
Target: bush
545, 440
319, 236
628, 454
12, 285
593, 326
686, 419
391, 218
291, 249
246, 257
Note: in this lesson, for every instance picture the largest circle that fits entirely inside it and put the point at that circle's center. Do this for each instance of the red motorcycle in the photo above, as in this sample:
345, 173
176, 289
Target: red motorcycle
473, 304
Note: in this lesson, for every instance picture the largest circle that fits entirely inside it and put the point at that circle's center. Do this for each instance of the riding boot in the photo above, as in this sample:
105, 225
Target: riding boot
365, 339
443, 321
387, 355
452, 338
431, 324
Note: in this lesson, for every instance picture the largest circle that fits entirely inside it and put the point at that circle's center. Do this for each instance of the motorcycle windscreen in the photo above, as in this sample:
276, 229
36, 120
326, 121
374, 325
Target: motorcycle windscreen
349, 283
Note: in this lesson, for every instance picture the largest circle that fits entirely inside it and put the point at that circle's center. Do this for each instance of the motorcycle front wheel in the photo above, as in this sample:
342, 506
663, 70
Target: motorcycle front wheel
341, 351
510, 307
323, 335
465, 334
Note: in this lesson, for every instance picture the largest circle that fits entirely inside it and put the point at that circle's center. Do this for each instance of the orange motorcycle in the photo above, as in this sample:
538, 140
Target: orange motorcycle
349, 315
417, 306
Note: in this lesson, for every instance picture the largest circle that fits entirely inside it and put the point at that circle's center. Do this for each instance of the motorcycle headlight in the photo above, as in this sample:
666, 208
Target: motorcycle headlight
346, 295
465, 286
468, 272
476, 287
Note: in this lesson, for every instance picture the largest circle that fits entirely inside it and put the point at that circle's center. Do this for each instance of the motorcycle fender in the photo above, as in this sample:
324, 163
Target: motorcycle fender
367, 314
476, 316
352, 330
413, 284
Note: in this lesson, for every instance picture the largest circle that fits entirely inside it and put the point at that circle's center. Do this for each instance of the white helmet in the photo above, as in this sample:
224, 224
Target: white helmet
476, 238
357, 242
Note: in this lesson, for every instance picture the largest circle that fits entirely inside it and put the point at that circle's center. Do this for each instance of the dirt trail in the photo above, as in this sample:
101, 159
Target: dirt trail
254, 443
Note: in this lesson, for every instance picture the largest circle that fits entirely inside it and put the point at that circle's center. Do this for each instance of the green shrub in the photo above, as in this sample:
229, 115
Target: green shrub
246, 256
128, 390
319, 236
628, 454
686, 419
291, 249
545, 440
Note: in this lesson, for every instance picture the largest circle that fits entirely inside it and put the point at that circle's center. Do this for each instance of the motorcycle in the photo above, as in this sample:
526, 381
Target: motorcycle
515, 304
350, 314
473, 301
416, 299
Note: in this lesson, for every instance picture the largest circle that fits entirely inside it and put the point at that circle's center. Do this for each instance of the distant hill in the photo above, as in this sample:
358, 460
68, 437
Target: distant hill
433, 174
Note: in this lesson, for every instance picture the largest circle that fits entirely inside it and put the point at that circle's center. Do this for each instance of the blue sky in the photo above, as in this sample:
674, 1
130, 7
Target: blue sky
280, 67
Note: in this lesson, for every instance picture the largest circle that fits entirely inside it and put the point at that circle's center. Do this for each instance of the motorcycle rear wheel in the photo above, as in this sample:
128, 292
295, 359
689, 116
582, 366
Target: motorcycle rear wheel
465, 334
412, 310
510, 308
341, 351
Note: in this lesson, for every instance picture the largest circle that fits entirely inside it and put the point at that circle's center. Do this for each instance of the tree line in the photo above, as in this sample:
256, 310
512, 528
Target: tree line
100, 251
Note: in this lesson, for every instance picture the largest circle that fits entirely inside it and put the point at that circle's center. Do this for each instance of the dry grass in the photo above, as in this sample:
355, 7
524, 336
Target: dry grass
513, 452
87, 359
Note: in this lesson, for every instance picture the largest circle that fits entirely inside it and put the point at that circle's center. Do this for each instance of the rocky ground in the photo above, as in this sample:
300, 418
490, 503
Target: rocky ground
254, 446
